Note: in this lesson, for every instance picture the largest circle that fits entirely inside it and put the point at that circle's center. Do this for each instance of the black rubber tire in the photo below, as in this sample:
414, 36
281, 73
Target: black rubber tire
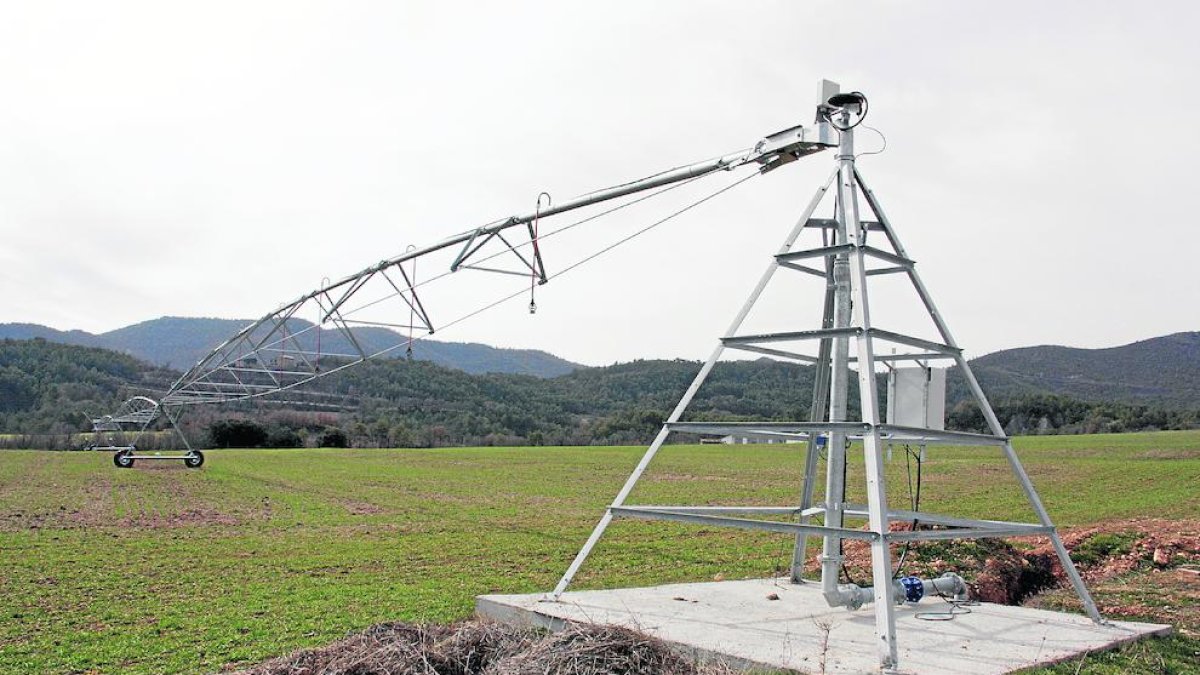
194, 459
123, 460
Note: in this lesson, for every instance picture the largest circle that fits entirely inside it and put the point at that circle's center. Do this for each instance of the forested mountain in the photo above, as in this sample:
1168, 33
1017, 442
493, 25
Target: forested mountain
179, 342
1162, 371
53, 388
1159, 372
48, 388
623, 403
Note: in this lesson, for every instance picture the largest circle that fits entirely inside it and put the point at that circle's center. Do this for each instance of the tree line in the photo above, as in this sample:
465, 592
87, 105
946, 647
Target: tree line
48, 390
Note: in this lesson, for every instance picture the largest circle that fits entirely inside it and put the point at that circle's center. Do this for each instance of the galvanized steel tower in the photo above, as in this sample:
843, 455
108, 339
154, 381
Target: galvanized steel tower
847, 346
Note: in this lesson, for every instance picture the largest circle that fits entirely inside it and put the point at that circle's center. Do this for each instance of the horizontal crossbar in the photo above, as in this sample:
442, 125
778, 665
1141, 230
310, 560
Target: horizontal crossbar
804, 358
822, 252
969, 533
839, 249
802, 268
791, 335
832, 224
892, 358
889, 433
895, 433
913, 342
861, 511
888, 256
713, 515
890, 336
768, 427
743, 523
702, 510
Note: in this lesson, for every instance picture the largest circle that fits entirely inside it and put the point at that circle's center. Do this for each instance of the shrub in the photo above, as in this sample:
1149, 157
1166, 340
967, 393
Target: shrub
237, 434
333, 437
284, 437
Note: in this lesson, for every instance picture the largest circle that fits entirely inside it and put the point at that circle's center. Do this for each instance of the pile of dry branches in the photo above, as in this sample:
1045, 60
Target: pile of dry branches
488, 648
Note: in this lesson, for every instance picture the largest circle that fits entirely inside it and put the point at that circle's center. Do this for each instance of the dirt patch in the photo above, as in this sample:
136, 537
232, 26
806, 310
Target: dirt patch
1177, 453
94, 506
486, 648
1169, 596
1115, 548
160, 466
356, 508
1010, 571
16, 521
185, 518
102, 499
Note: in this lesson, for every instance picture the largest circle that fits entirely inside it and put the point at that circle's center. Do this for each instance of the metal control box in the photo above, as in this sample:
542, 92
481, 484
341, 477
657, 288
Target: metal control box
916, 397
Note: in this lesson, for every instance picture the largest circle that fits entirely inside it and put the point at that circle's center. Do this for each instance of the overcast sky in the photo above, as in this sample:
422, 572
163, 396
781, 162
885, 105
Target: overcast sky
220, 158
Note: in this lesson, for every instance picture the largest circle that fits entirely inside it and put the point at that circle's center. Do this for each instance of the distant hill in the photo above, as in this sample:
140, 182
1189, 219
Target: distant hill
179, 342
50, 387
1162, 371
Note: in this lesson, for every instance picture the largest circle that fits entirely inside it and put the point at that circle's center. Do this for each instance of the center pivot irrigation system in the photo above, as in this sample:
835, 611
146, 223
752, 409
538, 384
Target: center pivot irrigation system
279, 353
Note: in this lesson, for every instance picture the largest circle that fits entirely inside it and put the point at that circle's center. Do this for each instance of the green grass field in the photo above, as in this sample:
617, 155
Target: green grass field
164, 569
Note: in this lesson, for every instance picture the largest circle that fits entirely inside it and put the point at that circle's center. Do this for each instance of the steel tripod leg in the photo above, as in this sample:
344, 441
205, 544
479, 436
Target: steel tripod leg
631, 482
985, 407
877, 507
800, 552
1064, 557
629, 485
582, 555
881, 559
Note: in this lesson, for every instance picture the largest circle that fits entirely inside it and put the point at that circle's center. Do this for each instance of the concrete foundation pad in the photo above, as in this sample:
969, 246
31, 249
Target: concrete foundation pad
735, 621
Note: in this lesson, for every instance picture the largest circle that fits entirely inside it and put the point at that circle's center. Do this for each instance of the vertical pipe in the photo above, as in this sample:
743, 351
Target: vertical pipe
877, 507
816, 413
839, 391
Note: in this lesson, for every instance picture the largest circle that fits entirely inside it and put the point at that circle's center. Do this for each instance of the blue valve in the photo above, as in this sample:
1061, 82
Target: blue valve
914, 589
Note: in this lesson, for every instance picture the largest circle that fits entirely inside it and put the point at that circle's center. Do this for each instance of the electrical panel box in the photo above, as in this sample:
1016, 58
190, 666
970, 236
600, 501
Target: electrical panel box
916, 397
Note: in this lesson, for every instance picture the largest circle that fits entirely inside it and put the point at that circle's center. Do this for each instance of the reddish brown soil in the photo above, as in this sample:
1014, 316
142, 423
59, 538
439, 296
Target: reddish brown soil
1008, 572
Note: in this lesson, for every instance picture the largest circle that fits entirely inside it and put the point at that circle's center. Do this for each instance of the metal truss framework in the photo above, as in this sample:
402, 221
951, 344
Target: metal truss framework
135, 416
846, 263
284, 349
276, 355
136, 412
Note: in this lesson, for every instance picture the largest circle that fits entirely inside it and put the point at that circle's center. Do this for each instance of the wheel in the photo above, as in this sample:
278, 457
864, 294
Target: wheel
123, 459
194, 459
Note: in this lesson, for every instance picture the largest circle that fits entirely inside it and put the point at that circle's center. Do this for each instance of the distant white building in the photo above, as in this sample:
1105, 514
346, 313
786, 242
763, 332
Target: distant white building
753, 440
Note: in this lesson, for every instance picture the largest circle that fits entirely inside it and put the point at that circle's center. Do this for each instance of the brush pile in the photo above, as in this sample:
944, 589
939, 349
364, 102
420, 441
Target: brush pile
487, 648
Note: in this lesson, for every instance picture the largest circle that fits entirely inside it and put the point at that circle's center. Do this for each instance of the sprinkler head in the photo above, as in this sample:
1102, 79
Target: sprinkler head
846, 100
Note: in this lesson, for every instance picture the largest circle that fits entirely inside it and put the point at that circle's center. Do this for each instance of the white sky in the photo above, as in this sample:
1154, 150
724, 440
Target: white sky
219, 158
